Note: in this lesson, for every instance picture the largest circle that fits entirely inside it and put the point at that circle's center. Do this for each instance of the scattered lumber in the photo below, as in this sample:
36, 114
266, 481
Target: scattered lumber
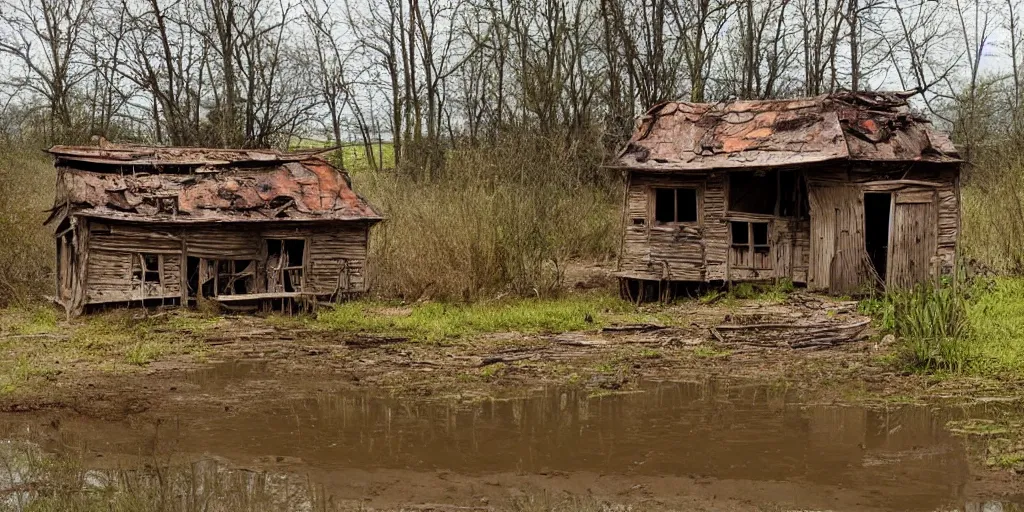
487, 361
796, 335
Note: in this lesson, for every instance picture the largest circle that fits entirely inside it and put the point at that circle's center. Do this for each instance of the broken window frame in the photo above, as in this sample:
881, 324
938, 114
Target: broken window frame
144, 276
230, 272
675, 206
291, 270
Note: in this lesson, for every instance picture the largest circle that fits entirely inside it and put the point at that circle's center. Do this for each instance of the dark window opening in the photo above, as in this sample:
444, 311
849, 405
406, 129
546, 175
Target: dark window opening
876, 230
740, 233
638, 222
789, 194
295, 250
664, 205
686, 205
803, 210
760, 231
285, 264
146, 268
167, 205
753, 192
751, 236
675, 205
152, 266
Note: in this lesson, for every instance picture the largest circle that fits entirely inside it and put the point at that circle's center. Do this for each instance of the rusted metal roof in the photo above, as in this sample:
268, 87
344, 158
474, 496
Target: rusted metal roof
159, 156
227, 186
679, 136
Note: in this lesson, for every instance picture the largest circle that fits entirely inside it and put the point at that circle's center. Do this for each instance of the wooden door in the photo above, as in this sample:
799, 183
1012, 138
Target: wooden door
837, 238
913, 238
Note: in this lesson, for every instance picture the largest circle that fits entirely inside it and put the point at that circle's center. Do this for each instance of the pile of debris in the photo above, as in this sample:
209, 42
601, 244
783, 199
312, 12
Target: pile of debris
817, 324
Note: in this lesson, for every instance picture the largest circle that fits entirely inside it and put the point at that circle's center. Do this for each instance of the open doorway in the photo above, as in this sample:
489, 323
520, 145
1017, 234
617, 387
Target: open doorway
877, 208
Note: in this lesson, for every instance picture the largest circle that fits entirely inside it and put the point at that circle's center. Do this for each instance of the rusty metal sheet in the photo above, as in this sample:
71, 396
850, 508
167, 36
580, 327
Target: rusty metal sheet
136, 155
677, 136
307, 190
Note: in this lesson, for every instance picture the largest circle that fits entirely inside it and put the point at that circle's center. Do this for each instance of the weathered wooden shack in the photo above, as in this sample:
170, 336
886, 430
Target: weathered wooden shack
840, 192
246, 228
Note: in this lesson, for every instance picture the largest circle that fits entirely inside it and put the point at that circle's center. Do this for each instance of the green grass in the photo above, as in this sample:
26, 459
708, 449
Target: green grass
768, 293
439, 321
996, 317
352, 156
28, 320
35, 344
710, 351
970, 328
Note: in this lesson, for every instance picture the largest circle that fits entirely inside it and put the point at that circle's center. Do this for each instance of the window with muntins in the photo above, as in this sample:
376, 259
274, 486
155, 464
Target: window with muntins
675, 205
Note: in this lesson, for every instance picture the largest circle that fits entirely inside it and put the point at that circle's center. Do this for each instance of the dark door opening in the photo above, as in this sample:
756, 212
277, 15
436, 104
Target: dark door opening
192, 275
877, 208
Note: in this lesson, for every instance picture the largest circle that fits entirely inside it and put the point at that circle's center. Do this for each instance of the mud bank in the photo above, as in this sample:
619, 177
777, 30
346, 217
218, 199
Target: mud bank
659, 415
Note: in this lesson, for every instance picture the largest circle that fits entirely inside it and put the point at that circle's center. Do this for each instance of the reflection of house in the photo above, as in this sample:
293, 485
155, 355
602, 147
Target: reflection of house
168, 225
839, 192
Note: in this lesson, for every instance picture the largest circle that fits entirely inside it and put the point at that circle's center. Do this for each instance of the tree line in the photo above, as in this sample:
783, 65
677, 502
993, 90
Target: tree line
425, 75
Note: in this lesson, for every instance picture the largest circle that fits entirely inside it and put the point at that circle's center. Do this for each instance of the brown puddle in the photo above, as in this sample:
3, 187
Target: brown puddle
755, 443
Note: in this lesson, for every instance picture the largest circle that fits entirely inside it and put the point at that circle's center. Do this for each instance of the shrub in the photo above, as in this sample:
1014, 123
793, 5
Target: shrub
931, 320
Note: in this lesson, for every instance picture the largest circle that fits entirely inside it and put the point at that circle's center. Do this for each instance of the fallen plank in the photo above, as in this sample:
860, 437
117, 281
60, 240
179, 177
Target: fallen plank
632, 328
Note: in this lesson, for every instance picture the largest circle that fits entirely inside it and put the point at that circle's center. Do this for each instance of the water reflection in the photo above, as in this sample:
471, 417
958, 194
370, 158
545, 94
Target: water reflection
902, 456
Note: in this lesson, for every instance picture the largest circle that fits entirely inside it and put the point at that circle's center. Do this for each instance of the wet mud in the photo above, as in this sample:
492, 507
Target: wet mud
711, 445
657, 417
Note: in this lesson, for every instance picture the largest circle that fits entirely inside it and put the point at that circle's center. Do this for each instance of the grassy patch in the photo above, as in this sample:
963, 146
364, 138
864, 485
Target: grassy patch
767, 293
763, 292
28, 320
710, 351
975, 328
932, 322
438, 321
36, 346
996, 317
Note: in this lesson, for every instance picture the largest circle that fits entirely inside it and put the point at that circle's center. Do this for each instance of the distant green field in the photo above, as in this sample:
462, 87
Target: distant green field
352, 154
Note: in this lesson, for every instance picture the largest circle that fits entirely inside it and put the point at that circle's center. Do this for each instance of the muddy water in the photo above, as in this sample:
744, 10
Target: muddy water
755, 443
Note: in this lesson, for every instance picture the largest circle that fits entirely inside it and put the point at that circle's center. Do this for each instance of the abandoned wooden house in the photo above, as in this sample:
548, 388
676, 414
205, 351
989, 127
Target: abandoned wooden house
842, 192
246, 228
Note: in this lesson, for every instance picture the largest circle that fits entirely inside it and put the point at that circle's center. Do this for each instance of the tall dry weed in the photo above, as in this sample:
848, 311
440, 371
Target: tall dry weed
992, 231
26, 246
501, 218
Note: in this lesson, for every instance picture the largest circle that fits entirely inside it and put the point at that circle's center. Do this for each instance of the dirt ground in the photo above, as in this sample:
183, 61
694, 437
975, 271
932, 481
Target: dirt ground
858, 369
294, 360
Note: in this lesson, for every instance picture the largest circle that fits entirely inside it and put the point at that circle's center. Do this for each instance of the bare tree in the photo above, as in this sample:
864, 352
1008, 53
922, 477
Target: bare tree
43, 37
